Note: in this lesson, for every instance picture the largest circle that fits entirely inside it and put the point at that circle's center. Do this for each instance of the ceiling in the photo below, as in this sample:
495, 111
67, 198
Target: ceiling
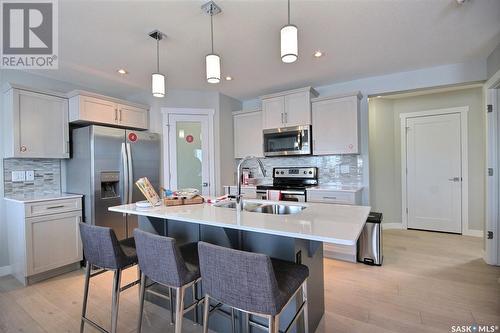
359, 38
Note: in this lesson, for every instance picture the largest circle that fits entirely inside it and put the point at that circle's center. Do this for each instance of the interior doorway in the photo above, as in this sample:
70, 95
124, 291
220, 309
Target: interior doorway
188, 149
434, 158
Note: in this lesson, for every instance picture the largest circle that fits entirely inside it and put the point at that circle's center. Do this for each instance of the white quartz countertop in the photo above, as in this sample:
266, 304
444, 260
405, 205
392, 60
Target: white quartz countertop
42, 197
333, 187
338, 224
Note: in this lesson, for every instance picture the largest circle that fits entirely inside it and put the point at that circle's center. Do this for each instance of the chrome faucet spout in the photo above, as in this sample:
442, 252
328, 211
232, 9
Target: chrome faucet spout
239, 199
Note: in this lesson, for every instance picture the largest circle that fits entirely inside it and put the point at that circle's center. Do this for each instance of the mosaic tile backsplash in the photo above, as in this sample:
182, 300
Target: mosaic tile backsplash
47, 177
332, 169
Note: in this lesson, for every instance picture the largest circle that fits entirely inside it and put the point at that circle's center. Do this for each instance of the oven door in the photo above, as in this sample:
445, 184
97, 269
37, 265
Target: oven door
287, 141
296, 196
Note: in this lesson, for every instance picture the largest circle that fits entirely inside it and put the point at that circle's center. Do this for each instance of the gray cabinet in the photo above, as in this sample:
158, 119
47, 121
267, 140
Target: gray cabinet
35, 124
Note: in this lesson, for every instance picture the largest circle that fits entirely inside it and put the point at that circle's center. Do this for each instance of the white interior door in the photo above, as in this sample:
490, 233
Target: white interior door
434, 175
189, 152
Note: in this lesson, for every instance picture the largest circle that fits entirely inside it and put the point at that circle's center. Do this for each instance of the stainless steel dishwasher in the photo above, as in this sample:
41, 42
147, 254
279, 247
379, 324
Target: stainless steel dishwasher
370, 241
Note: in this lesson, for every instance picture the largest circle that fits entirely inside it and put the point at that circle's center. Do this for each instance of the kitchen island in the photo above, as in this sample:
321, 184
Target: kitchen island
297, 236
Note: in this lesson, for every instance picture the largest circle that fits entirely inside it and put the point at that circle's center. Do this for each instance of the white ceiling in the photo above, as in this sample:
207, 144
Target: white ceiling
359, 37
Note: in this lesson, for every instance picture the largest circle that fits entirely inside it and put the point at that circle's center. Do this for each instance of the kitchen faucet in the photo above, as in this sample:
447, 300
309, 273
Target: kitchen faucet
239, 199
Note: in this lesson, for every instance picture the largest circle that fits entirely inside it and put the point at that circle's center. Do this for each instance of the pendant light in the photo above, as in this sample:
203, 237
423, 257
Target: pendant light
212, 60
289, 41
157, 79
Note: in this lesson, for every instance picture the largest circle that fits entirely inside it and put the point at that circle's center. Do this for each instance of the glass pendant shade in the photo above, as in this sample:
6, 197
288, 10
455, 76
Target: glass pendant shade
213, 68
158, 84
289, 43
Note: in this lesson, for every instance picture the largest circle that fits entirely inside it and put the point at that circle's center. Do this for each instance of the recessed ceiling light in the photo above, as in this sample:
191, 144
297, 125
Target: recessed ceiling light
318, 53
229, 78
122, 71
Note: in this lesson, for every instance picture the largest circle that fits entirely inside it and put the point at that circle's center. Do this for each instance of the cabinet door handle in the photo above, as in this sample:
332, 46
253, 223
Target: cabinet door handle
334, 198
120, 115
286, 117
282, 118
116, 114
54, 207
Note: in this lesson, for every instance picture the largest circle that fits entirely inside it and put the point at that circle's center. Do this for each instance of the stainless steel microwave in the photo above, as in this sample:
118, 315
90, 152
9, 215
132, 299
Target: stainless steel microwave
287, 141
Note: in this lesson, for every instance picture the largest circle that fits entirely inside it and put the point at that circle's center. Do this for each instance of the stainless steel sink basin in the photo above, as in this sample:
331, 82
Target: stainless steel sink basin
278, 209
248, 206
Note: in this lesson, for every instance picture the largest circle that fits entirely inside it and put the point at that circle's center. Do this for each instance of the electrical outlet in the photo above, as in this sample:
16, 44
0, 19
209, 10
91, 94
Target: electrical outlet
344, 168
30, 176
18, 176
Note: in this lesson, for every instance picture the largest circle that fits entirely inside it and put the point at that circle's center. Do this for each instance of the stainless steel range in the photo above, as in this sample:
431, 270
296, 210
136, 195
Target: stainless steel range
291, 182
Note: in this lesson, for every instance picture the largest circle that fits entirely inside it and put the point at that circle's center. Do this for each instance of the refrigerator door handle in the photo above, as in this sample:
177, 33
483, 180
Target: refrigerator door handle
130, 174
125, 175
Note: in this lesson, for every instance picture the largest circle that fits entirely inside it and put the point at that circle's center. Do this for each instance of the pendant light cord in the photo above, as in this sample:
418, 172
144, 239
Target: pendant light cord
212, 29
288, 12
157, 54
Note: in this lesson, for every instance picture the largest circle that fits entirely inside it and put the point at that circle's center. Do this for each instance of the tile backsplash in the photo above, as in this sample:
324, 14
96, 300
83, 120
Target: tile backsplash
332, 169
47, 176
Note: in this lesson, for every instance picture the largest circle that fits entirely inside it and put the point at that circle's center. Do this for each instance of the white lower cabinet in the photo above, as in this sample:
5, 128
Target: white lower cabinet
42, 245
336, 251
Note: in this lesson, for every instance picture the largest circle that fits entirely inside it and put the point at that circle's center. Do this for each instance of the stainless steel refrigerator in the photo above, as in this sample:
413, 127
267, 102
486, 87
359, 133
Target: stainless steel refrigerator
105, 163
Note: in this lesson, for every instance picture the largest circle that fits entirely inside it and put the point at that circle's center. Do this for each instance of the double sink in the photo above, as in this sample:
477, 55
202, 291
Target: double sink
264, 208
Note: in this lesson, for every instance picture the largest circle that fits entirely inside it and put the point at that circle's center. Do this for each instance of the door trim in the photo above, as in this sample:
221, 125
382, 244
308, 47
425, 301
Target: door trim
166, 141
463, 111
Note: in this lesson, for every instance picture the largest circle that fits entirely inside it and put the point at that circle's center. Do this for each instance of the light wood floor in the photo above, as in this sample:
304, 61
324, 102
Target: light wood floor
429, 281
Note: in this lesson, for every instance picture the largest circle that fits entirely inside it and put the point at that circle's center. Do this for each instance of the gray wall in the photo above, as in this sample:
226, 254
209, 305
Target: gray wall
385, 149
493, 62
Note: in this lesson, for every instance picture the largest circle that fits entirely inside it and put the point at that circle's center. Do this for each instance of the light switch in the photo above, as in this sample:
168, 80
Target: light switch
18, 176
30, 175
344, 168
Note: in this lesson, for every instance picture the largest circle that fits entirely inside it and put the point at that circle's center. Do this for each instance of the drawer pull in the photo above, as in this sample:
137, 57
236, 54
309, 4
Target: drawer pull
54, 207
334, 198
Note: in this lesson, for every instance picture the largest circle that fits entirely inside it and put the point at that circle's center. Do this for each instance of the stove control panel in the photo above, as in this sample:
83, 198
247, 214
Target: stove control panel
301, 172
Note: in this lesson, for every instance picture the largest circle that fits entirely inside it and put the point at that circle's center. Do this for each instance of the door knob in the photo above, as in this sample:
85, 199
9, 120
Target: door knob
204, 184
454, 179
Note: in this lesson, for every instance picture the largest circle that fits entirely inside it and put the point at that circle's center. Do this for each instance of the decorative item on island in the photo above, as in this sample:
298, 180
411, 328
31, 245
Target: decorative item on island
188, 196
148, 191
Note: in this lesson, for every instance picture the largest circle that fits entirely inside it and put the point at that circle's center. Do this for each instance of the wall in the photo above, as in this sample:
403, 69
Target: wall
47, 177
385, 149
410, 80
329, 168
493, 62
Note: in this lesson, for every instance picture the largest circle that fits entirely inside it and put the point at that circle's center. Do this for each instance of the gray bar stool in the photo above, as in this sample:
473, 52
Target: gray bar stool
161, 261
253, 283
103, 250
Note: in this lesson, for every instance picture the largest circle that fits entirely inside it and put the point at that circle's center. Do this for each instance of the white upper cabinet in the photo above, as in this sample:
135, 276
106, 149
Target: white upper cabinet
335, 122
288, 108
91, 108
248, 134
35, 124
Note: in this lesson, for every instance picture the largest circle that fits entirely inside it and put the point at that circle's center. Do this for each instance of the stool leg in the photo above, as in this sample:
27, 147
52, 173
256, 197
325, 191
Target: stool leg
306, 311
233, 321
195, 299
272, 325
206, 309
246, 323
115, 300
85, 295
171, 294
179, 309
142, 290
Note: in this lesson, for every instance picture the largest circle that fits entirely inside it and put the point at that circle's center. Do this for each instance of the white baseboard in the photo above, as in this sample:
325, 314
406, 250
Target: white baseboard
386, 226
5, 270
474, 233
